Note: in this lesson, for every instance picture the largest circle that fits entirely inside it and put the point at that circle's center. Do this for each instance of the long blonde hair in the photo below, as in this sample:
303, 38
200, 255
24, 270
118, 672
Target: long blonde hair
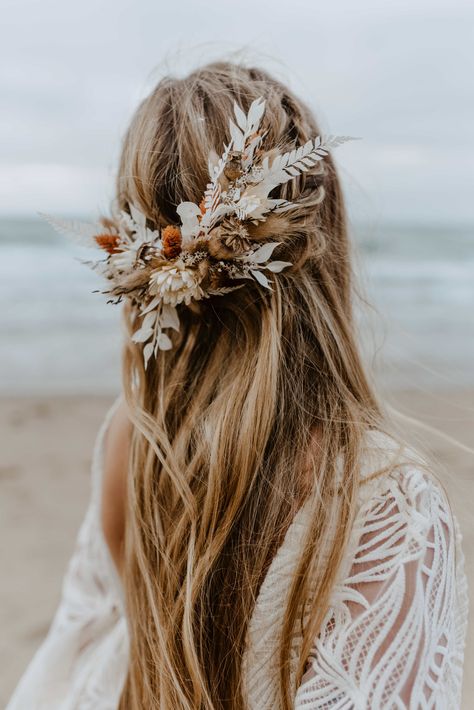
251, 409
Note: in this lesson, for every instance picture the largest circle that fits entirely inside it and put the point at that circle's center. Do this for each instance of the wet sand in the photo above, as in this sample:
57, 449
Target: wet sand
46, 446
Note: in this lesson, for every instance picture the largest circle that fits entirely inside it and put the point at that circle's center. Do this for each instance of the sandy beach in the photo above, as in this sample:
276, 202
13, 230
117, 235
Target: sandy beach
46, 446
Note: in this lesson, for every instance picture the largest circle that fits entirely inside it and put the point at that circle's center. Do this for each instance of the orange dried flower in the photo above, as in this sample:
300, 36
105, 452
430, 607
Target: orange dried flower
202, 207
171, 238
108, 242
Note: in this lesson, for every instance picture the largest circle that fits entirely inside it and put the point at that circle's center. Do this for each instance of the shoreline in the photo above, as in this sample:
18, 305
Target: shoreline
47, 444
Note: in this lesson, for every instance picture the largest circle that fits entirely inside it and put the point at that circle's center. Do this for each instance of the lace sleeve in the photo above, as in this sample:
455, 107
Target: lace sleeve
393, 637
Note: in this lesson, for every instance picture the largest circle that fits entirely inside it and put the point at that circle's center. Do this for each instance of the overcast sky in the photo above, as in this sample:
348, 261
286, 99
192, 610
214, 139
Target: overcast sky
399, 74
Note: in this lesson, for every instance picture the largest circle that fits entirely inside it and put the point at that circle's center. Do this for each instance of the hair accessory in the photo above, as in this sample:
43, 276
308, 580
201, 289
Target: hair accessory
217, 241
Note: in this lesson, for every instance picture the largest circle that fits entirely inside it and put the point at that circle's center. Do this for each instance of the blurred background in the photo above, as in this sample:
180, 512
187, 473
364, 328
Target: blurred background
397, 74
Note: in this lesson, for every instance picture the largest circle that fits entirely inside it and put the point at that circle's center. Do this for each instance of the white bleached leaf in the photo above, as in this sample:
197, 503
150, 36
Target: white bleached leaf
188, 210
277, 266
152, 305
127, 221
237, 136
142, 335
137, 216
147, 353
164, 343
169, 317
250, 150
261, 278
188, 213
240, 116
212, 161
254, 116
149, 320
263, 253
243, 134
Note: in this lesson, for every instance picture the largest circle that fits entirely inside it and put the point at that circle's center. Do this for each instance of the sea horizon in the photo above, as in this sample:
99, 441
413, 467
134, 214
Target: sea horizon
59, 336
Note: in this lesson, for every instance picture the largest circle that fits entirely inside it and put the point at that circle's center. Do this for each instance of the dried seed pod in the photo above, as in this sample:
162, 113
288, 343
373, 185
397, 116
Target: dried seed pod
233, 166
238, 243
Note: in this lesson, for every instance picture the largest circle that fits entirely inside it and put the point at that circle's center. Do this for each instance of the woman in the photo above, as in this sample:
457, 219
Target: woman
255, 538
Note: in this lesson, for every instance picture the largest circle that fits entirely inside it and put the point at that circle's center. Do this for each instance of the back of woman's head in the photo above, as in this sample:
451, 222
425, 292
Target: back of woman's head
245, 415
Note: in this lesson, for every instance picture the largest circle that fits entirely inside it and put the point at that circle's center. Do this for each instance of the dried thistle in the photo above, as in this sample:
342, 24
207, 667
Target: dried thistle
229, 238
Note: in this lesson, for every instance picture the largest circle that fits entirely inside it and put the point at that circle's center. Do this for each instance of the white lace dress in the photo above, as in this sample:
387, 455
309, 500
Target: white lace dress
393, 637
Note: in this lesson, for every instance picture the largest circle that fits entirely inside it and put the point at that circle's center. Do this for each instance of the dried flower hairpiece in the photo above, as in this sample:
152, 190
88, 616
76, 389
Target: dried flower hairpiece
160, 269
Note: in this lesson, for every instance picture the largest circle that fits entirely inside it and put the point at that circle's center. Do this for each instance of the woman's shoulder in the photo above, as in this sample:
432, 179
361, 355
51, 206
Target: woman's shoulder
403, 508
404, 513
396, 624
392, 468
404, 524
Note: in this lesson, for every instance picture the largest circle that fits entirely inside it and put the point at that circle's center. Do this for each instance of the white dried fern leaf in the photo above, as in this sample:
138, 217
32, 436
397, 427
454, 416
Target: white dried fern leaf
215, 171
289, 165
82, 233
214, 189
212, 197
335, 141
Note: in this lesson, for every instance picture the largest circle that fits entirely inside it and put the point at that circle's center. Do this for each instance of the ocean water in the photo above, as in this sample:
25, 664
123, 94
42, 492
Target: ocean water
59, 336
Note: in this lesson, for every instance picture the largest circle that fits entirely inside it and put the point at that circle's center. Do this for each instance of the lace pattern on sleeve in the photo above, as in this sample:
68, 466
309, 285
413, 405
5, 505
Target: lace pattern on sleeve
394, 634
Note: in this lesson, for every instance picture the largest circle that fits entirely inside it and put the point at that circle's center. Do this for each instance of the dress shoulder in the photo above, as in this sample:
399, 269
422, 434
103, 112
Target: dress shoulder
394, 634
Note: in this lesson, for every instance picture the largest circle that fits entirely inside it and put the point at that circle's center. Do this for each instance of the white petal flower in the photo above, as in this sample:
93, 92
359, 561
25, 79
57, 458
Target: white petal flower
176, 283
126, 259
